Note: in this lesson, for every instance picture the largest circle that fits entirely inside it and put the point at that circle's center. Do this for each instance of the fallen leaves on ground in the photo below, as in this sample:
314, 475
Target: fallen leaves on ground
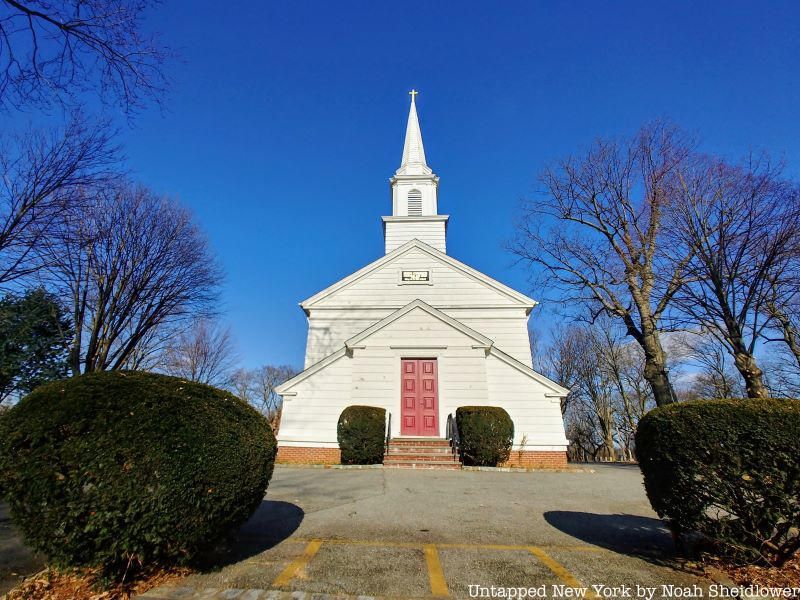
776, 577
81, 585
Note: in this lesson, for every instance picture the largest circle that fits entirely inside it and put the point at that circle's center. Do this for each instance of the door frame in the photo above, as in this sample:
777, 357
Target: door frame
438, 395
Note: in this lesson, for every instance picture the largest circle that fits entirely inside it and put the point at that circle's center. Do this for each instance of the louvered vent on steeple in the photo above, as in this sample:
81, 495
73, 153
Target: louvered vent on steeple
414, 203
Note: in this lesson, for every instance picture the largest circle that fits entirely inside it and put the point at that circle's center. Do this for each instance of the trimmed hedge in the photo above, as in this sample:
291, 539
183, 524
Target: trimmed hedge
361, 432
120, 468
729, 470
486, 433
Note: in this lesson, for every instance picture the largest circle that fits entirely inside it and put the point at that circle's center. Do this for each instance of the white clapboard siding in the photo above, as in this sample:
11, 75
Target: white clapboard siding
328, 330
468, 376
448, 286
430, 232
327, 334
344, 313
376, 379
534, 414
373, 370
311, 416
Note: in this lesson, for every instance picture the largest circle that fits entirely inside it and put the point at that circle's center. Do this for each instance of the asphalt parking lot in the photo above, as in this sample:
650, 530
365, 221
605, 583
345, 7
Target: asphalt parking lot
423, 534
16, 560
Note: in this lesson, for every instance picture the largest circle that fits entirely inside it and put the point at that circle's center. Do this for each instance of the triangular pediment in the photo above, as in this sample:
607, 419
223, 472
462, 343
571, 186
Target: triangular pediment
451, 283
432, 318
432, 314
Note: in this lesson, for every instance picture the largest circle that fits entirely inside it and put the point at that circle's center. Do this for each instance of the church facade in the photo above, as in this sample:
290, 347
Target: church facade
419, 334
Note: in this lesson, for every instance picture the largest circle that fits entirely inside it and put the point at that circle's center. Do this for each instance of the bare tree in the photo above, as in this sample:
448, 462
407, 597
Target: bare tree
130, 263
591, 406
148, 355
204, 353
716, 377
240, 383
267, 378
51, 52
785, 315
561, 361
596, 237
43, 174
741, 223
608, 392
257, 386
623, 365
585, 443
782, 304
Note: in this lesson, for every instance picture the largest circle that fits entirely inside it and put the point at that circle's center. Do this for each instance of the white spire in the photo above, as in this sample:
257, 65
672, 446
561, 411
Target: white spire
415, 195
413, 162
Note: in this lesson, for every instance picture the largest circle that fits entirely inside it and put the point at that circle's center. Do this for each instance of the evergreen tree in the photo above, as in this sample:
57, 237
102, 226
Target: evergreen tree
34, 338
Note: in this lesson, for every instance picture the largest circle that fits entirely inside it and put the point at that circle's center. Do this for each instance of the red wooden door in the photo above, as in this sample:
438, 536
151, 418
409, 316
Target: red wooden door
419, 397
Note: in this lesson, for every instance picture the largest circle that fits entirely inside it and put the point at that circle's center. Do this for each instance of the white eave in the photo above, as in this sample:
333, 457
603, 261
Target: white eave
482, 342
512, 294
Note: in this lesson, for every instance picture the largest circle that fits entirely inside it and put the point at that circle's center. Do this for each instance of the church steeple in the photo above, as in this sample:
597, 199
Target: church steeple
413, 162
415, 194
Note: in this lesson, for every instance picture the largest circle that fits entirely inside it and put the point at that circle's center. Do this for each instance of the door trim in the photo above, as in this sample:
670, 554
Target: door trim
420, 413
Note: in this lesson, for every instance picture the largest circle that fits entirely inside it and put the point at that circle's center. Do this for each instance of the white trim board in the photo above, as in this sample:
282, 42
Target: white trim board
510, 293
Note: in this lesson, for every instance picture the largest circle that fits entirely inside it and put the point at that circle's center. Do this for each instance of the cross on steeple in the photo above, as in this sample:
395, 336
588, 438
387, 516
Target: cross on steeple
413, 152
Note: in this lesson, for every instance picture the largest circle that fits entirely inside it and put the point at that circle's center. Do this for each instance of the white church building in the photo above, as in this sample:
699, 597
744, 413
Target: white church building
419, 334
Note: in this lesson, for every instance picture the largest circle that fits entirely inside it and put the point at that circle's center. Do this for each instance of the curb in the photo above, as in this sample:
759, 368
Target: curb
529, 469
463, 468
312, 466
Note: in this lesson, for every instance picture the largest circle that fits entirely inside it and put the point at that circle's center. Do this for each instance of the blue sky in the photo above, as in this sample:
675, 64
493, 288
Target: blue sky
286, 120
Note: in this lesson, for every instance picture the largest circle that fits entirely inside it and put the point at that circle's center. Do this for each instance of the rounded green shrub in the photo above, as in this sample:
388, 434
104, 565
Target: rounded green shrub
361, 434
486, 433
728, 470
129, 468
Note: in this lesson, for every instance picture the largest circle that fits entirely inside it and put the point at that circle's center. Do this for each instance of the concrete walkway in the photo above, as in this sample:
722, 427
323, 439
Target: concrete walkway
422, 534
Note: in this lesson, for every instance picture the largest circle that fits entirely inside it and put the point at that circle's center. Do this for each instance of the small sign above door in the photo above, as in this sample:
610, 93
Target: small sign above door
412, 276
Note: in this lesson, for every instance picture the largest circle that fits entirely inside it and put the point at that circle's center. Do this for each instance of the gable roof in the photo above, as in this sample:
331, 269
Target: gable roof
283, 389
424, 306
558, 390
474, 274
481, 342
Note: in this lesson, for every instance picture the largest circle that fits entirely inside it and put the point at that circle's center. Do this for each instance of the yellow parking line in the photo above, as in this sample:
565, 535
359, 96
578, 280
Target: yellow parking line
414, 545
435, 573
558, 569
297, 564
460, 546
516, 547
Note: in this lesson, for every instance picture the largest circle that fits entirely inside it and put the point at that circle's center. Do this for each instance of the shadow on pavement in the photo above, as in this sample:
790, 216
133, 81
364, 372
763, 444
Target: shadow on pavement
273, 522
633, 535
16, 560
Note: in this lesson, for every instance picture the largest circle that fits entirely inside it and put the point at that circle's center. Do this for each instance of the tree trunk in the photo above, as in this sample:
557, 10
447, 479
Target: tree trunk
752, 375
790, 334
609, 443
655, 368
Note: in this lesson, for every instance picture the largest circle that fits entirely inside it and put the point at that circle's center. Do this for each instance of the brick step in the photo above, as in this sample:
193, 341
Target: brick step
422, 465
420, 450
419, 442
418, 456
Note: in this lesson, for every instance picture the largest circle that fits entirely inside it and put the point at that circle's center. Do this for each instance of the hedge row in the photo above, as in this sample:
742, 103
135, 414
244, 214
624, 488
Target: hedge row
728, 469
126, 468
486, 432
361, 432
